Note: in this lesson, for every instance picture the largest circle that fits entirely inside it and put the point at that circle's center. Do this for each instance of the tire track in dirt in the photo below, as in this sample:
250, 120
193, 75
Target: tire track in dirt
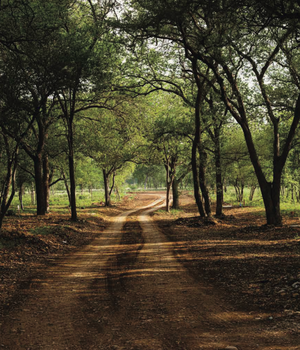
53, 314
127, 291
160, 306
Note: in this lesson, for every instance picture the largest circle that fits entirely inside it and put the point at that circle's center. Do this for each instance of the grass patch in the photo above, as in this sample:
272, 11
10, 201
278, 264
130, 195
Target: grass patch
175, 212
172, 212
43, 230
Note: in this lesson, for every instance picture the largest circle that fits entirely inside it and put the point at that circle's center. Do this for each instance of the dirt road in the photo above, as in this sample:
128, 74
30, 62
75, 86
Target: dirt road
126, 290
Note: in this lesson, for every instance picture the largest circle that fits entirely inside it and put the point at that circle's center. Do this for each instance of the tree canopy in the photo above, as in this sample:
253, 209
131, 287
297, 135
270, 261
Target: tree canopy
211, 87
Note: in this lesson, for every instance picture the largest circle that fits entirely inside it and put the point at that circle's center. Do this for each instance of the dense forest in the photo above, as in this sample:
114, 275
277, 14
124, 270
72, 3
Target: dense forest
127, 94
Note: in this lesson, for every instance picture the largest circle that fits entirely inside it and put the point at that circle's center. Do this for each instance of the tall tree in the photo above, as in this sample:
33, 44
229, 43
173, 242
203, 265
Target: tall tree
229, 38
89, 67
31, 67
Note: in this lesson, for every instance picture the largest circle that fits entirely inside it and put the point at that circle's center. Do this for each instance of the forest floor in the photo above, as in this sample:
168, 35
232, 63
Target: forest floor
133, 277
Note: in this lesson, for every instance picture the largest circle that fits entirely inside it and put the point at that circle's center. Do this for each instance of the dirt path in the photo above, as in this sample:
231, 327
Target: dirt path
127, 291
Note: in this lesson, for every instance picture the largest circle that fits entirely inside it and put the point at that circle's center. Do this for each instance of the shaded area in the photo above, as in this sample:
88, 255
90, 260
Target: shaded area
255, 268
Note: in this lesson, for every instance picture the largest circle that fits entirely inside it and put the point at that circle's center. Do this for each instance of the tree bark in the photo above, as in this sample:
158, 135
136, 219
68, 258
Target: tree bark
168, 183
66, 186
21, 191
32, 194
252, 191
72, 169
175, 194
170, 166
219, 179
219, 190
239, 190
203, 186
270, 190
39, 185
106, 189
9, 181
117, 192
271, 197
46, 179
168, 198
195, 148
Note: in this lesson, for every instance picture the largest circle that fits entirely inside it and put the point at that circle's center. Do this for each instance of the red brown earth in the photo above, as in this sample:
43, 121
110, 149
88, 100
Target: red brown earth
132, 278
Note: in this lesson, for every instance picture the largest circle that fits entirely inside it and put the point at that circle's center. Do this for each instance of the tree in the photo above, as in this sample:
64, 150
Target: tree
111, 139
31, 67
156, 70
8, 185
89, 69
229, 38
170, 139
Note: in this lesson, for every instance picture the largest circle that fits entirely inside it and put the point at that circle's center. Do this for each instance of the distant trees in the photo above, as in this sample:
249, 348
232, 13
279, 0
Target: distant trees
170, 140
112, 138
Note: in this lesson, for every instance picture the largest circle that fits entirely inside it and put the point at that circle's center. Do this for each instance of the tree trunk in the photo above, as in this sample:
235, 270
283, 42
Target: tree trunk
21, 192
219, 193
66, 186
271, 197
219, 180
113, 184
170, 176
168, 183
242, 192
195, 148
252, 191
117, 192
32, 194
106, 189
175, 193
270, 190
46, 183
72, 170
168, 197
39, 185
196, 181
203, 186
239, 190
9, 181
72, 188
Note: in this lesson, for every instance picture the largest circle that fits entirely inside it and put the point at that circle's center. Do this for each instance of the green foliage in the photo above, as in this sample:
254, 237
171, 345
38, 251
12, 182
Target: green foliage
67, 58
148, 176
